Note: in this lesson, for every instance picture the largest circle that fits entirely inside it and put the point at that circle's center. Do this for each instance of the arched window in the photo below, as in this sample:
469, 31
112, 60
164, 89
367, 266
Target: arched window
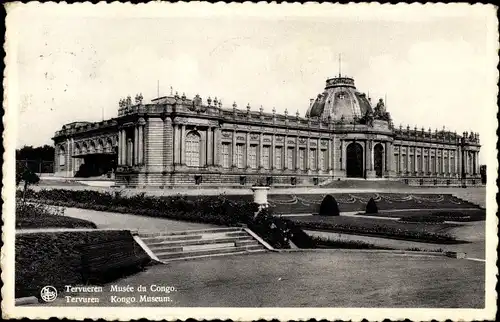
109, 145
193, 149
92, 147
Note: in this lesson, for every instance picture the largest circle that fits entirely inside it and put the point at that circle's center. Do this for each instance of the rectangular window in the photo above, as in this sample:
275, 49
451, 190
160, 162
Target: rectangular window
446, 170
452, 165
278, 164
425, 165
226, 148
290, 156
405, 163
252, 156
433, 164
240, 157
419, 163
265, 157
312, 159
439, 165
398, 163
302, 158
410, 163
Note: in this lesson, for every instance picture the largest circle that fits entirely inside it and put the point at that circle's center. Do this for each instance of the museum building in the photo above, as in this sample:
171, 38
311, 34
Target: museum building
176, 141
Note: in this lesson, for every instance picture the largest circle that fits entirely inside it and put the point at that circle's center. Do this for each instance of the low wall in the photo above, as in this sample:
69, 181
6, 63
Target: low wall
55, 257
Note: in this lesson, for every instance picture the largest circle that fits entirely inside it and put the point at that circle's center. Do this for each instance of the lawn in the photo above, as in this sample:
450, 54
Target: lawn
437, 233
465, 215
311, 279
31, 215
309, 203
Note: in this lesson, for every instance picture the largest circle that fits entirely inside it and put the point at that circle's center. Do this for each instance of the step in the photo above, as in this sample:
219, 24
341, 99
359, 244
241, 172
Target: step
190, 232
181, 248
169, 255
170, 243
213, 255
206, 236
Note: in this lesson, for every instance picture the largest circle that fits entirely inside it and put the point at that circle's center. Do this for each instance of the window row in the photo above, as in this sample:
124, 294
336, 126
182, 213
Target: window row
282, 157
434, 165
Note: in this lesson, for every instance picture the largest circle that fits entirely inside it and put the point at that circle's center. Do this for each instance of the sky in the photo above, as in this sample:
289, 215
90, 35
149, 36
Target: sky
436, 64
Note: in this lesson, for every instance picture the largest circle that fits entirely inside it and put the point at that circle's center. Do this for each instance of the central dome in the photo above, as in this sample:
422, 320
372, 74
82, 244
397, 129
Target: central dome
339, 99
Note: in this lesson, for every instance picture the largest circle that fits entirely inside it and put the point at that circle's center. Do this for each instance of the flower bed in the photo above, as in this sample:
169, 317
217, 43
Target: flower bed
344, 244
421, 232
43, 216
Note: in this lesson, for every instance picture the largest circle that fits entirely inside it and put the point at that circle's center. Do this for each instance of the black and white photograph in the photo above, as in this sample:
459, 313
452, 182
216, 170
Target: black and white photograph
245, 161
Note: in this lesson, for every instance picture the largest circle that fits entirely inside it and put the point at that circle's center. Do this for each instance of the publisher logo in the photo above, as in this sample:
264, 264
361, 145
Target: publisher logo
48, 293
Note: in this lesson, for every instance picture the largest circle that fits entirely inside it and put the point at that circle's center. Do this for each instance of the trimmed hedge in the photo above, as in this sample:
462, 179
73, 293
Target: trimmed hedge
371, 207
329, 207
381, 231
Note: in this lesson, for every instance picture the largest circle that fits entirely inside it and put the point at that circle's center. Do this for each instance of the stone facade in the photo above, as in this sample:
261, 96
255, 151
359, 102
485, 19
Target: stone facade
176, 141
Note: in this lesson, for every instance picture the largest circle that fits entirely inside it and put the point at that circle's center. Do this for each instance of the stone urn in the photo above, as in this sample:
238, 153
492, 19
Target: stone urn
260, 195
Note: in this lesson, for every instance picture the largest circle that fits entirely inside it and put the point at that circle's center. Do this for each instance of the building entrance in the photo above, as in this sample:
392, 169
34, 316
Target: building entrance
354, 161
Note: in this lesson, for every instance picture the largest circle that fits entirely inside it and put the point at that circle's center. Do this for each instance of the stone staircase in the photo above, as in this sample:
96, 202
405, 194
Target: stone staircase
205, 243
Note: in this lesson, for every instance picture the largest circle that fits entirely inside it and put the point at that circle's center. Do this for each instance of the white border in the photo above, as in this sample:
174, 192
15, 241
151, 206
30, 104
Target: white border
363, 12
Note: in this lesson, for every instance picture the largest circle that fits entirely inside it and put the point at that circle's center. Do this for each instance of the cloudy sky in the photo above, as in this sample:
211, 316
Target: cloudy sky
435, 64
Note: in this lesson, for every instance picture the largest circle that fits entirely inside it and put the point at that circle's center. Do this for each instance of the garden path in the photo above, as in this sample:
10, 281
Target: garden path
104, 219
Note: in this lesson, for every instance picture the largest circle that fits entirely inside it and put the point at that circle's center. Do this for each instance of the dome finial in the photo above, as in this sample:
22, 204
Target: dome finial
340, 65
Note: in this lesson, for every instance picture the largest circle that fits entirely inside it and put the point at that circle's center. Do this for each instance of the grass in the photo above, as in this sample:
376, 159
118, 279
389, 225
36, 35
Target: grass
314, 279
32, 215
429, 215
431, 233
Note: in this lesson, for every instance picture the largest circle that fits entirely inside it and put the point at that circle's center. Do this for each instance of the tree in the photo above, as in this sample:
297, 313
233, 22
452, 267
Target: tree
371, 207
329, 207
24, 174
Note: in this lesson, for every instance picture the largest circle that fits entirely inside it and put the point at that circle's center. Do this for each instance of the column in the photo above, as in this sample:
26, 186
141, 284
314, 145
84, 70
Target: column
297, 154
342, 153
141, 144
247, 150
209, 157
272, 154
415, 165
308, 148
233, 150
120, 147
329, 155
401, 160
123, 146
368, 157
215, 154
408, 159
136, 145
183, 144
388, 156
318, 153
442, 161
476, 162
285, 152
449, 163
176, 144
261, 147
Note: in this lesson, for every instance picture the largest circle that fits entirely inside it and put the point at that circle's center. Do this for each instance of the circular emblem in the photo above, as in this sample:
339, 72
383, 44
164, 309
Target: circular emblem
48, 293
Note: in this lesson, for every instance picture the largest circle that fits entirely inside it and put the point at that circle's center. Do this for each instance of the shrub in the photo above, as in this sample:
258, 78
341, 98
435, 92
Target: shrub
371, 207
423, 219
329, 207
